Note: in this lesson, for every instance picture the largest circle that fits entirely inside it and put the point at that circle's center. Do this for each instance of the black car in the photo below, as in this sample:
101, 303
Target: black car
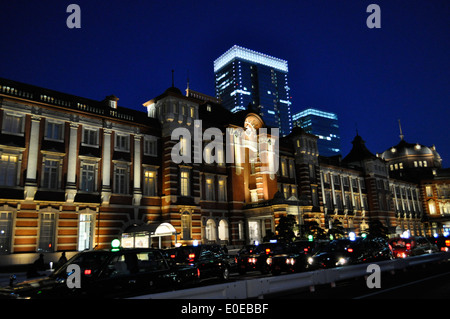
105, 274
209, 261
442, 243
295, 256
342, 252
258, 257
412, 246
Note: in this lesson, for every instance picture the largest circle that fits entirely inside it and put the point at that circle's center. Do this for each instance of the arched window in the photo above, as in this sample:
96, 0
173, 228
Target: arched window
210, 230
223, 230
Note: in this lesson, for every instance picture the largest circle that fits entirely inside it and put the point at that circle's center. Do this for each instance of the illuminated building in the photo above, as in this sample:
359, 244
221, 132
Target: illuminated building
76, 173
246, 78
324, 125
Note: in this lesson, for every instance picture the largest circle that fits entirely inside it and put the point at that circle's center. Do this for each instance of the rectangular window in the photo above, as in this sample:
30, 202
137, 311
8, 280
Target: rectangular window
47, 233
429, 191
150, 180
5, 232
222, 191
122, 143
283, 167
209, 189
54, 131
88, 180
51, 174
8, 170
186, 226
121, 179
150, 147
13, 124
85, 232
184, 183
90, 137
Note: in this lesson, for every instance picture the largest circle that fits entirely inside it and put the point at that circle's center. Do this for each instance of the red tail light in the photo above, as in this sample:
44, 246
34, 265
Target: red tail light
305, 249
267, 250
172, 256
447, 243
87, 271
350, 250
191, 256
408, 246
198, 273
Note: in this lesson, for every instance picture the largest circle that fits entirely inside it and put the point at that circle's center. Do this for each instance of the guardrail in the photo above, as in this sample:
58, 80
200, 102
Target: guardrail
258, 287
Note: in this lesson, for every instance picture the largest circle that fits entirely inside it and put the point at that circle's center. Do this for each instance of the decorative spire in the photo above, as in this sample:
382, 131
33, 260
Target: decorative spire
400, 126
173, 84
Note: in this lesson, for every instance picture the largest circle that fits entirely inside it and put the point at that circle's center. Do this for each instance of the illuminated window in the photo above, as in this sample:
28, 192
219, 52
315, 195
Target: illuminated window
47, 233
85, 231
150, 179
210, 230
432, 207
209, 188
8, 170
5, 232
186, 225
222, 190
184, 183
429, 191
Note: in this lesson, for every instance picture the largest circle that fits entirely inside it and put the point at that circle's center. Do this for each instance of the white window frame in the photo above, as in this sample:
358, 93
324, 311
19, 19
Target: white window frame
57, 169
12, 128
150, 146
119, 186
122, 142
150, 182
84, 173
54, 124
9, 169
89, 140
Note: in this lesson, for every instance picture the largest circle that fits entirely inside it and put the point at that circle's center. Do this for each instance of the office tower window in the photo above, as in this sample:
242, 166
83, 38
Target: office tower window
322, 124
13, 124
150, 182
5, 232
47, 233
85, 229
245, 77
8, 170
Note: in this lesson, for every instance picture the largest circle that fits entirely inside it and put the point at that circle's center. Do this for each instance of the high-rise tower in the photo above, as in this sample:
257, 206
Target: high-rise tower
245, 77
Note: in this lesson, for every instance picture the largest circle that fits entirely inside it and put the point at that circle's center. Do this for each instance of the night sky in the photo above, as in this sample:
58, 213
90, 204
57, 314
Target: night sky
369, 77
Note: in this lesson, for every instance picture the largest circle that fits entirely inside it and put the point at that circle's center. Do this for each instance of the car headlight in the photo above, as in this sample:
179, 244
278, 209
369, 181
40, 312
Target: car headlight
269, 261
342, 261
310, 260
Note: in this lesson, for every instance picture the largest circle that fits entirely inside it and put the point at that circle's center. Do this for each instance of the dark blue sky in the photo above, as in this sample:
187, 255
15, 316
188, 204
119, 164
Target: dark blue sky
369, 77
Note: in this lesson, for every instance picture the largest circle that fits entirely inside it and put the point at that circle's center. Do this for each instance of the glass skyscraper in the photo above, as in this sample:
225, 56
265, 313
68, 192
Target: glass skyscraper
322, 124
245, 77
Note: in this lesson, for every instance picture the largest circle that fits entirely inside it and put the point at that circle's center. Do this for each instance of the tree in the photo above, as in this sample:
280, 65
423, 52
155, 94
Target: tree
377, 229
285, 228
313, 228
337, 230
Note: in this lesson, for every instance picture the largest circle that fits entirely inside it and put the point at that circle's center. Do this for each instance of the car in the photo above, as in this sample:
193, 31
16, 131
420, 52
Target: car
342, 252
294, 258
258, 257
442, 242
380, 249
411, 246
208, 260
105, 274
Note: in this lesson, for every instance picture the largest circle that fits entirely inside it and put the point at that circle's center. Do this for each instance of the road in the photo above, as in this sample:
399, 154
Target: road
423, 282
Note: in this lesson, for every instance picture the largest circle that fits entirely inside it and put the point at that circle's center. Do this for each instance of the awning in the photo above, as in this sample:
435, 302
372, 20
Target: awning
137, 234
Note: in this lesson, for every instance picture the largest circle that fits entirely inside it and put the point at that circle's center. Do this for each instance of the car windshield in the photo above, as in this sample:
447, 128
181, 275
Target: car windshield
86, 260
339, 245
400, 243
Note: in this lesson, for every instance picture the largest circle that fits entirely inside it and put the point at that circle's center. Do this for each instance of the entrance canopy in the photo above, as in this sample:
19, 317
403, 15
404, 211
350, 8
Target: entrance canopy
140, 236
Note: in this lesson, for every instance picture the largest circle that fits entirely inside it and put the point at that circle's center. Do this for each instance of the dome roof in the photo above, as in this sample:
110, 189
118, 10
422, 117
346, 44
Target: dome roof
405, 149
